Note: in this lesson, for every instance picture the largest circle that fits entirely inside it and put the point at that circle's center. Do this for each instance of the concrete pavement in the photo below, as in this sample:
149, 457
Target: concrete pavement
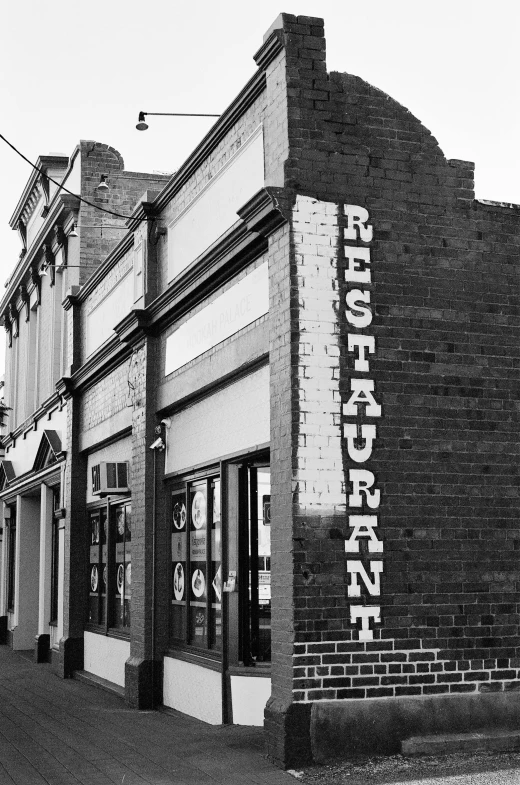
56, 732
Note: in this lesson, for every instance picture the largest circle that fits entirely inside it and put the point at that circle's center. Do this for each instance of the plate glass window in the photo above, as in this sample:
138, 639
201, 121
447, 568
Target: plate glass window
196, 592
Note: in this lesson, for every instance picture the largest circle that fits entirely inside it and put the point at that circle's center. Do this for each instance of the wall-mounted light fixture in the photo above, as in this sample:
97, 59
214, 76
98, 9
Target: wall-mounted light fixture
103, 185
142, 125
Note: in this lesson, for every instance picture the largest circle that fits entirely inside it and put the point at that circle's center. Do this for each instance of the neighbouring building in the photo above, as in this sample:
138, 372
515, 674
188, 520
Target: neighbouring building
284, 429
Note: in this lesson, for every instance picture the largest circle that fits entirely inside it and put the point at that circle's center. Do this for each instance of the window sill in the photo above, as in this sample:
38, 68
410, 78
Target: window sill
203, 659
111, 633
261, 670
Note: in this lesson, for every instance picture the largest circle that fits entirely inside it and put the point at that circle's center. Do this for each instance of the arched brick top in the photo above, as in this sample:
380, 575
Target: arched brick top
379, 122
110, 156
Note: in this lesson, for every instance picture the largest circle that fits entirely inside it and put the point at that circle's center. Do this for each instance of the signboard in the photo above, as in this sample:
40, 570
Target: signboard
240, 305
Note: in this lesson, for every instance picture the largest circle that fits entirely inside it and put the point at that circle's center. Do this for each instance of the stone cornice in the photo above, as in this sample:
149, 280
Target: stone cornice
44, 162
271, 47
265, 211
50, 404
59, 209
133, 327
108, 357
230, 116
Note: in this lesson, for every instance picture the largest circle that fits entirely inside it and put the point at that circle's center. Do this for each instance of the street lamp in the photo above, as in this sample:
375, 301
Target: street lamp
142, 125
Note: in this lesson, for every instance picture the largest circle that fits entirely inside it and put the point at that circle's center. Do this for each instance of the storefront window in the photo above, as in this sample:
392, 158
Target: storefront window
196, 564
110, 576
121, 565
255, 539
55, 554
11, 560
98, 566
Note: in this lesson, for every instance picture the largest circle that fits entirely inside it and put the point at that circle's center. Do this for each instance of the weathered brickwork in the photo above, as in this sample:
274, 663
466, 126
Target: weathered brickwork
444, 307
111, 395
354, 670
102, 230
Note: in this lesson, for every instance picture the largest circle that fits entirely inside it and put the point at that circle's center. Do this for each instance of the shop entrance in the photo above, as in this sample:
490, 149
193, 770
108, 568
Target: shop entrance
221, 589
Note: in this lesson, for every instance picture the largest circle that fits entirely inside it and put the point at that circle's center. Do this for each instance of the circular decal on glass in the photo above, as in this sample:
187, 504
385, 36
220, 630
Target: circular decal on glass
179, 515
198, 584
129, 574
178, 582
120, 578
95, 532
120, 522
94, 578
104, 578
198, 510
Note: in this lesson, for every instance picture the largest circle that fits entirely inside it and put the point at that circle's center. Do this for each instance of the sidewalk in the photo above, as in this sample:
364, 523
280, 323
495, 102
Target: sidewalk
56, 732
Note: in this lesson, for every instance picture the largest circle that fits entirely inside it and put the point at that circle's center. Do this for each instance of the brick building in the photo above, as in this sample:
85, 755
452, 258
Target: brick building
291, 477
63, 240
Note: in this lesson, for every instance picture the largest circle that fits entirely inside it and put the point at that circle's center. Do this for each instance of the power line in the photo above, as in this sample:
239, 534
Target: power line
63, 188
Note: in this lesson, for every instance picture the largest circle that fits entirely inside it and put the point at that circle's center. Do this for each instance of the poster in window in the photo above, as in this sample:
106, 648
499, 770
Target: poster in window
198, 510
217, 583
178, 582
94, 579
198, 583
120, 578
179, 515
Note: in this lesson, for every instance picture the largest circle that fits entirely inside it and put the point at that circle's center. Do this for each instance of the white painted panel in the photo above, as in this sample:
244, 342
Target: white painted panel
237, 307
102, 319
233, 419
105, 657
214, 209
193, 690
249, 694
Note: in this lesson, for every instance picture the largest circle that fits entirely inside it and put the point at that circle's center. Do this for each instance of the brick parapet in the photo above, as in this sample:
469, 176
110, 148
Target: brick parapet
444, 307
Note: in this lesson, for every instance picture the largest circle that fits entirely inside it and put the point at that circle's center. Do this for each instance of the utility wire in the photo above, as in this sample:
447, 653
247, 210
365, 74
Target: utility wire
62, 187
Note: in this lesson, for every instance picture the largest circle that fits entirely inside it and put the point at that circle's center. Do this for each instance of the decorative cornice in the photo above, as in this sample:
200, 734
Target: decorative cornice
109, 356
265, 211
44, 162
269, 49
133, 327
228, 118
234, 251
72, 298
59, 210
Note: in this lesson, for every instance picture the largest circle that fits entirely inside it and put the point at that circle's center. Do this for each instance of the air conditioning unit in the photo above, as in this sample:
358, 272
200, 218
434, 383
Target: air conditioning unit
108, 477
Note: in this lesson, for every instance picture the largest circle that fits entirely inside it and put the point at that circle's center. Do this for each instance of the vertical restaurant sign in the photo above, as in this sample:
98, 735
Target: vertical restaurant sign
361, 412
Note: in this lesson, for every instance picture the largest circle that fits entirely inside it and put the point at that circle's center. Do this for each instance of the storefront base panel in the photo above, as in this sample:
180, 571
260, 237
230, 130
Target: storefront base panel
105, 657
193, 690
249, 695
341, 729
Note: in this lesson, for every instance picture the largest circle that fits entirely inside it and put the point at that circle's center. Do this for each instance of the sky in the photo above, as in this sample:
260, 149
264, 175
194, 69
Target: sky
74, 71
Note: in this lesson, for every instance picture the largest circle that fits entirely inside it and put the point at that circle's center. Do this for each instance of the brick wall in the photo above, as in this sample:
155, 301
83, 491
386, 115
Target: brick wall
125, 189
444, 315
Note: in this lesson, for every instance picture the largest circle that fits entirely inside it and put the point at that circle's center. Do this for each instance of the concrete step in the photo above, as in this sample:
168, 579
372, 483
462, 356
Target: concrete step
485, 740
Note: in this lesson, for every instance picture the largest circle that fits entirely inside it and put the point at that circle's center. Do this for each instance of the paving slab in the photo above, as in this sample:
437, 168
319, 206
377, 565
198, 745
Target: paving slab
67, 732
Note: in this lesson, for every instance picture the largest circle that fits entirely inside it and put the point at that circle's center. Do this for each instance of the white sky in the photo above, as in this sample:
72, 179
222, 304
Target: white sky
75, 71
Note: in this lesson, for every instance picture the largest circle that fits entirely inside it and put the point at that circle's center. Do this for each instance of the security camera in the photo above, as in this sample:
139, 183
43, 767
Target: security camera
158, 444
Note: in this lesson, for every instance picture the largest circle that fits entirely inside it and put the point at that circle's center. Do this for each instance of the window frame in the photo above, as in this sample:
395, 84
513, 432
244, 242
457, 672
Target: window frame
106, 625
11, 561
55, 554
181, 486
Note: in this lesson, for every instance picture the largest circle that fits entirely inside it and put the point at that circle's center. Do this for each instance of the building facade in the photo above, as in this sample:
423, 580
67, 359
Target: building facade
289, 450
63, 240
